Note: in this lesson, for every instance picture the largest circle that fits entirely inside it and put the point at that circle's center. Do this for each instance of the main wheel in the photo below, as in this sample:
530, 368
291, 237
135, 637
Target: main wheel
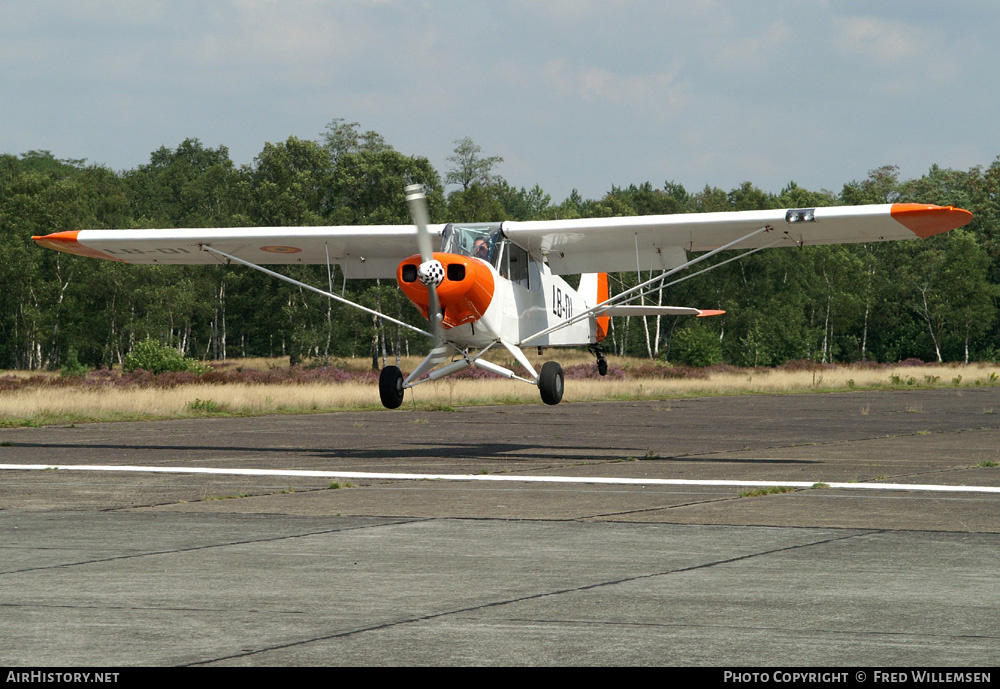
390, 387
550, 382
602, 366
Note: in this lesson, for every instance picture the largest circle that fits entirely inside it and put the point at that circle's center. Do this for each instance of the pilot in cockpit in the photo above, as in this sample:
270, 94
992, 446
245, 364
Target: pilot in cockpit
481, 249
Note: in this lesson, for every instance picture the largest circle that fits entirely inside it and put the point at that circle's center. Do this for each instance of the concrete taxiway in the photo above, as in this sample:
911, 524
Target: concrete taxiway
127, 568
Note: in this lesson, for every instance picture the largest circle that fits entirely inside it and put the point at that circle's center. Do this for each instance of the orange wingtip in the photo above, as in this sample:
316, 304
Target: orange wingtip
710, 312
927, 220
67, 243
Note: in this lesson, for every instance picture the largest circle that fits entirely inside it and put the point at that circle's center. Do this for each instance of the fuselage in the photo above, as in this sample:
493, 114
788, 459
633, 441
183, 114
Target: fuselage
506, 294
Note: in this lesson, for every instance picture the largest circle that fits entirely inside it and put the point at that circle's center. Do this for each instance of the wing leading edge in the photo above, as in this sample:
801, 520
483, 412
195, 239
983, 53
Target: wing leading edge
372, 251
662, 241
587, 245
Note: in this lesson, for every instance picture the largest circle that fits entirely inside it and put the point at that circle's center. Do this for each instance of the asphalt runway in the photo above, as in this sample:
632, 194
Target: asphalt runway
102, 568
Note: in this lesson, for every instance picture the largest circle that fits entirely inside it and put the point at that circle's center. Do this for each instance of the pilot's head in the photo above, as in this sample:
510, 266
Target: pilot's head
480, 249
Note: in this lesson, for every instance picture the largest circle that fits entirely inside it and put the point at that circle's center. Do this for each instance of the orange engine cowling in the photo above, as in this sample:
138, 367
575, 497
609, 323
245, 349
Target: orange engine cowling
464, 294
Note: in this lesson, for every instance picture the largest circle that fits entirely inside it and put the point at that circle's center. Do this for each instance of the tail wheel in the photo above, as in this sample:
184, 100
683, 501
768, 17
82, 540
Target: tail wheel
602, 364
550, 382
390, 387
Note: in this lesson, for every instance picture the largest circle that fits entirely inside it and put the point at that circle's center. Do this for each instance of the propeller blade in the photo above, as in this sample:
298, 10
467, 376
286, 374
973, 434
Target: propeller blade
431, 272
434, 313
417, 202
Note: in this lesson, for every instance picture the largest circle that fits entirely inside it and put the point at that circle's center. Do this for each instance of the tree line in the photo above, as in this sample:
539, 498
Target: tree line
933, 299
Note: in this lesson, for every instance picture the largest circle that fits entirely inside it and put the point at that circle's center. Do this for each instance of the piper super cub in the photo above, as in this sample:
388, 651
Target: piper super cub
499, 284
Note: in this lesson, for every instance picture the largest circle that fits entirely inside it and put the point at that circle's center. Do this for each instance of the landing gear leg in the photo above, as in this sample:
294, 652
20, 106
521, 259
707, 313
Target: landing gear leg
390, 387
550, 382
602, 363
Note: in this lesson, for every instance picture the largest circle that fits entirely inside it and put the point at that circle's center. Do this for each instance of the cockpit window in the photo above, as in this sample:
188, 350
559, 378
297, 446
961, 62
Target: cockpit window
480, 240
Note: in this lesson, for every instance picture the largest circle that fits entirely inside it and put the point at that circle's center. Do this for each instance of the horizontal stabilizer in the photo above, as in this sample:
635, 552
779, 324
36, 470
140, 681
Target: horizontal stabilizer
638, 310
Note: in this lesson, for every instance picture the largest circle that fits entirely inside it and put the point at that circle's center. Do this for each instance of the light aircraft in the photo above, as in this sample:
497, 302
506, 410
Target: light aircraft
498, 284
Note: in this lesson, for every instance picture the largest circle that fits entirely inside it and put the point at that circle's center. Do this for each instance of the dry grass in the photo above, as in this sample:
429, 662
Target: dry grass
566, 357
763, 381
14, 373
47, 405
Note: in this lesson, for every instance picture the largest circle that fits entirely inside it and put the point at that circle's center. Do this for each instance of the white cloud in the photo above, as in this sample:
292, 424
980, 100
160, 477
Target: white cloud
572, 93
886, 43
659, 93
742, 52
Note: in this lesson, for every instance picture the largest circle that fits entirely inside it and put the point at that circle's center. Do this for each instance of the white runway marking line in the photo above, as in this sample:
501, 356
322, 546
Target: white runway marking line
304, 473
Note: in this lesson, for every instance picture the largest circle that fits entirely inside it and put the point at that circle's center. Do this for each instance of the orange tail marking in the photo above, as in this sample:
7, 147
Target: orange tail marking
603, 293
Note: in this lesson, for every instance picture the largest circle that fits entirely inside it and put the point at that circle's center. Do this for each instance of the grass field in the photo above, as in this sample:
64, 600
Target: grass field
33, 399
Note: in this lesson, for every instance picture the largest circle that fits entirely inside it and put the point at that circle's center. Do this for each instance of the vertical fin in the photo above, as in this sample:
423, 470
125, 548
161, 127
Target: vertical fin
594, 290
603, 294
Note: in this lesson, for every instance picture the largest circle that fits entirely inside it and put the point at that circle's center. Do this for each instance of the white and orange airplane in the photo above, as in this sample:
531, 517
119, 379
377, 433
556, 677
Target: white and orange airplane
499, 284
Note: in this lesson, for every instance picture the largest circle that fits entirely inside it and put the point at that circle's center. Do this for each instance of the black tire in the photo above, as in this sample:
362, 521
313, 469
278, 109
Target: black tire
390, 387
550, 382
602, 366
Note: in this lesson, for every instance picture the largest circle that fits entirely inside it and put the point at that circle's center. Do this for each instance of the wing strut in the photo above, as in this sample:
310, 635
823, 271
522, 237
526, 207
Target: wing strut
303, 285
705, 270
659, 278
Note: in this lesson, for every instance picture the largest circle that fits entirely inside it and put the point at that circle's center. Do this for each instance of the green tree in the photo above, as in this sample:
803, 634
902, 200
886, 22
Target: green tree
189, 186
476, 204
156, 357
342, 137
696, 345
290, 183
523, 204
967, 295
469, 167
368, 187
881, 186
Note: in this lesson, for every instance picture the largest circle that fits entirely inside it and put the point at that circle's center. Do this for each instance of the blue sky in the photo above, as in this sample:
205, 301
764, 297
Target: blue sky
585, 94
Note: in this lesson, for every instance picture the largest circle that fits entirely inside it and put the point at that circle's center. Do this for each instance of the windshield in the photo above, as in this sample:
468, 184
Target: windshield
471, 239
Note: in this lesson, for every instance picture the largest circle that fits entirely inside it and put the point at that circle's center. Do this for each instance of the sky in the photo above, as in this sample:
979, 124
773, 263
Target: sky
573, 94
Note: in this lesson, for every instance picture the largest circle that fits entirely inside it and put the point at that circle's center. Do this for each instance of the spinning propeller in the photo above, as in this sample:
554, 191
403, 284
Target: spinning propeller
430, 273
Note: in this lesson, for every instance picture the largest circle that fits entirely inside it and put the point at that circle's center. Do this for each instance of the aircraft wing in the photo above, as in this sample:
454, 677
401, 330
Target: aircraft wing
659, 242
590, 245
372, 251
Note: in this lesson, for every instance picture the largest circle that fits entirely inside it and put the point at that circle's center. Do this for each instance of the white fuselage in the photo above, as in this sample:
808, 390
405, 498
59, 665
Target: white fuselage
521, 308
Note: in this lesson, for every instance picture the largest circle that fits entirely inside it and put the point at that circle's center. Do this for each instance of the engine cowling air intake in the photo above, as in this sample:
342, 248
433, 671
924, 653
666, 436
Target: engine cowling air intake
465, 292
